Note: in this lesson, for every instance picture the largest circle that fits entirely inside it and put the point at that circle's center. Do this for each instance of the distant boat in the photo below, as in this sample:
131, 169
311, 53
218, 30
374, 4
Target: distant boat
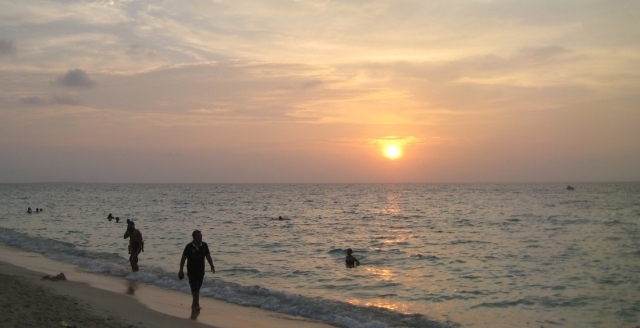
570, 188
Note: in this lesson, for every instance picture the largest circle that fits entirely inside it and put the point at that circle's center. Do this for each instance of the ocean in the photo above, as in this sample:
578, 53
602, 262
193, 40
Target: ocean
432, 255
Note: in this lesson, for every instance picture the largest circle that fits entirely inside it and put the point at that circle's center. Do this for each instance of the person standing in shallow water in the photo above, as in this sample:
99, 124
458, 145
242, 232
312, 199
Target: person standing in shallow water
194, 254
351, 261
136, 244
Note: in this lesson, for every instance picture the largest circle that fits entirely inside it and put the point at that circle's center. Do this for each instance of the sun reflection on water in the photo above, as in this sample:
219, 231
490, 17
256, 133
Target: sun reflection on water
397, 240
384, 274
392, 209
398, 307
392, 206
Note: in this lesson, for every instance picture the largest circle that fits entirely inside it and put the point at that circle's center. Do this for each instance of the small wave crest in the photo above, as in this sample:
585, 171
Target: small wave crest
504, 304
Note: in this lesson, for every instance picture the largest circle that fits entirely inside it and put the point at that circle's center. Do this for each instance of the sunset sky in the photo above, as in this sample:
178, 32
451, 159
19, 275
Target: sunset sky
313, 91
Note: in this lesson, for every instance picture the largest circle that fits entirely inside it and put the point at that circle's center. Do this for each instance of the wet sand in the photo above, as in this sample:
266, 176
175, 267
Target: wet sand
91, 300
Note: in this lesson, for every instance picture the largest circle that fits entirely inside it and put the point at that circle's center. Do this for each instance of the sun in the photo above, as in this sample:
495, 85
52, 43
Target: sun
392, 152
392, 147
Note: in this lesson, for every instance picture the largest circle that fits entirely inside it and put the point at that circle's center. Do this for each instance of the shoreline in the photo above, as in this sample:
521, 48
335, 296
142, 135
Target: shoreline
118, 301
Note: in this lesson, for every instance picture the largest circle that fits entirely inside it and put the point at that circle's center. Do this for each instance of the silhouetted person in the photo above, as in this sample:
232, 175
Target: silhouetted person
110, 217
194, 254
29, 210
136, 245
351, 261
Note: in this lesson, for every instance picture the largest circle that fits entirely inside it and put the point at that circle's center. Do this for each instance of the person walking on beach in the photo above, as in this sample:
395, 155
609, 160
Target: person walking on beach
194, 254
136, 244
351, 261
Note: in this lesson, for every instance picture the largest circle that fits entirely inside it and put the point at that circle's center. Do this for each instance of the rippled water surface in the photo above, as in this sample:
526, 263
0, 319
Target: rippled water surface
477, 255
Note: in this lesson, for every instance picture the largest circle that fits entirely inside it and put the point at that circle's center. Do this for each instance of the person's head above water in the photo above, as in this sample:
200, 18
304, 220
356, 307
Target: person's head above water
349, 251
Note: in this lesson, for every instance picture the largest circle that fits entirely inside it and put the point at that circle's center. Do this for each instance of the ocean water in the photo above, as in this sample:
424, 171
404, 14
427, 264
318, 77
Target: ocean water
433, 255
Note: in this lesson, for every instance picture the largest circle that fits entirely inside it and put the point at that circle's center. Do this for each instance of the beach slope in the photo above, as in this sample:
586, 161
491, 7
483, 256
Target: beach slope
90, 300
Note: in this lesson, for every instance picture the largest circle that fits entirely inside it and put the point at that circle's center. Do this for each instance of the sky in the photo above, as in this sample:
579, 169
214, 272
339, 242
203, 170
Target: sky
285, 91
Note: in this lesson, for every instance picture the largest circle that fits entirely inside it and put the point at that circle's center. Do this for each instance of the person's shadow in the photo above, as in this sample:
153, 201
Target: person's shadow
131, 287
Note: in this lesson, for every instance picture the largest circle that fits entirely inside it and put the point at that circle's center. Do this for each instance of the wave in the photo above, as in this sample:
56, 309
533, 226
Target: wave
549, 302
334, 312
504, 304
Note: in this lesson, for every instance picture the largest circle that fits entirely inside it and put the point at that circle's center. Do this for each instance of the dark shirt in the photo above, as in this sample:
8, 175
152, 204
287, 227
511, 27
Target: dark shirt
195, 258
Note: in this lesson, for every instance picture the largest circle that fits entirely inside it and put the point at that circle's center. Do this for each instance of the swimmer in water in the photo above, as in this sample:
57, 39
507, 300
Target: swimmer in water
351, 261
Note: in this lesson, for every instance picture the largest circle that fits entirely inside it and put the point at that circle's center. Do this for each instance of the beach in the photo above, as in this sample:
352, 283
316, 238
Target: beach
92, 300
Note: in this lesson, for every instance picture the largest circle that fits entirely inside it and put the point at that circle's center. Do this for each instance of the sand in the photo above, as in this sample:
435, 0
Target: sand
91, 300
26, 303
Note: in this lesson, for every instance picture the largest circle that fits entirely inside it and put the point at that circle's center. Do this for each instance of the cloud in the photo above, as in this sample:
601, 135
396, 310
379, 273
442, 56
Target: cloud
394, 140
315, 84
6, 47
56, 100
76, 78
33, 101
224, 91
137, 49
65, 100
529, 61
